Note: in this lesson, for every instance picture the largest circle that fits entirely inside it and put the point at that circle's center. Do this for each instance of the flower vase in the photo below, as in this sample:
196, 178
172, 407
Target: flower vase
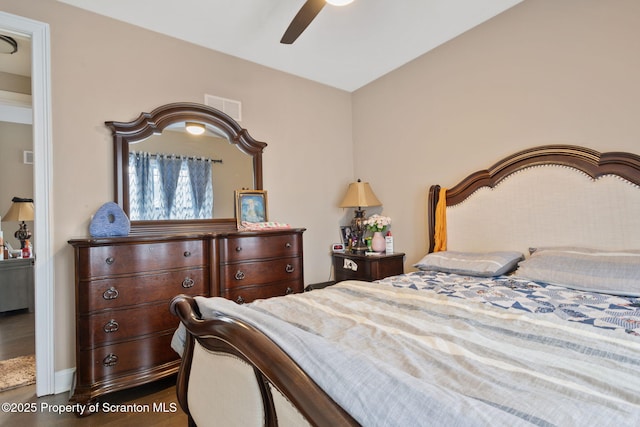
377, 242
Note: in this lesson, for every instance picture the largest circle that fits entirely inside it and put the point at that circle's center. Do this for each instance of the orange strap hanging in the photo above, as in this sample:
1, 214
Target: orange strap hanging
441, 222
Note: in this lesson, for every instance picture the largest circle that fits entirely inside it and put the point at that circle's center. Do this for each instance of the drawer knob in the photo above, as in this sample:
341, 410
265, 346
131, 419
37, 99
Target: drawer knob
111, 326
187, 254
111, 293
238, 248
110, 260
289, 291
239, 275
287, 245
240, 300
188, 282
110, 360
289, 268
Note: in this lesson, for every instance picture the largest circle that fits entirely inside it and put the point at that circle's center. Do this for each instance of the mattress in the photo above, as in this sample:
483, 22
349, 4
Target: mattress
430, 348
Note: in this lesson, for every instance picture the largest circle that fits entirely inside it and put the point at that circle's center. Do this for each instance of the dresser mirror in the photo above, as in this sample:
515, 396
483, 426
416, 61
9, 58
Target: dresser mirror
167, 179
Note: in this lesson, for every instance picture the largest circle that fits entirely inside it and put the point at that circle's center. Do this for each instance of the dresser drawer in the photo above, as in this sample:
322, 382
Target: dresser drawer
126, 291
128, 259
239, 248
117, 325
112, 360
243, 295
260, 272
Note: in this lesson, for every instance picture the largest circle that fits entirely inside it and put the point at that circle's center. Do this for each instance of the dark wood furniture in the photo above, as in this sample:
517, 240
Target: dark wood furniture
591, 162
352, 266
256, 266
176, 115
273, 366
124, 286
16, 284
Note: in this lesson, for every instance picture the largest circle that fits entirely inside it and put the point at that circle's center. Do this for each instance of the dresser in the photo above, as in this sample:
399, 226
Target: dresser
258, 266
124, 287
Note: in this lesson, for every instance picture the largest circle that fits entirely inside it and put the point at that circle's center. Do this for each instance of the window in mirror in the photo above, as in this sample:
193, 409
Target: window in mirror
181, 176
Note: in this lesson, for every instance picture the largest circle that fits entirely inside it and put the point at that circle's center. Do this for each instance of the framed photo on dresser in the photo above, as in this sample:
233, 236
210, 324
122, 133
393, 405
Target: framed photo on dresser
251, 206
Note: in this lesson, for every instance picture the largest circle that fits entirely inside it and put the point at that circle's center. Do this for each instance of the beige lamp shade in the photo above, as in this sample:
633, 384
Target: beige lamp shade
20, 210
359, 194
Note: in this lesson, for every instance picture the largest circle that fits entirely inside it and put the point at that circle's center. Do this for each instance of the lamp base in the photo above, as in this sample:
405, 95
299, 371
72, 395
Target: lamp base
23, 234
357, 227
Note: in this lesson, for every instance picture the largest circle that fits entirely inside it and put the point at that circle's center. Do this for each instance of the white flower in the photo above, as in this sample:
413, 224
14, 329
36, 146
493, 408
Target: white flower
377, 222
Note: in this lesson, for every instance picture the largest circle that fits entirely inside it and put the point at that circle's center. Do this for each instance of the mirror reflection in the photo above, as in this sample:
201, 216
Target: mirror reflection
177, 175
167, 180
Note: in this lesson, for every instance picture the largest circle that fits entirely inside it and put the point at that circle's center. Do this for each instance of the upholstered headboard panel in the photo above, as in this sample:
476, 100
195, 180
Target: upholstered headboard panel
545, 196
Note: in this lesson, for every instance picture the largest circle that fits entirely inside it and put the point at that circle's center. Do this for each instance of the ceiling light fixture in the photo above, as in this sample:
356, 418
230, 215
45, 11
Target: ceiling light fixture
339, 2
12, 45
194, 128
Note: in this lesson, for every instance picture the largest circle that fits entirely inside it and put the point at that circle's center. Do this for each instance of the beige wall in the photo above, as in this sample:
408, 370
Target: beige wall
107, 70
543, 72
15, 83
16, 177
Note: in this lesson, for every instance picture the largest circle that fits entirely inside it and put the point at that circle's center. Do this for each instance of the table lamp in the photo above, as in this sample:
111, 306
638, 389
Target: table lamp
20, 210
359, 194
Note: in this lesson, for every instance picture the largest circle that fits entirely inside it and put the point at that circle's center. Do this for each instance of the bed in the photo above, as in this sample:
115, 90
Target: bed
524, 311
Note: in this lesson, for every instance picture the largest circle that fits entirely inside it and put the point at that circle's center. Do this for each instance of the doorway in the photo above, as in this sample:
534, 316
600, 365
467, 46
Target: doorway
38, 33
17, 317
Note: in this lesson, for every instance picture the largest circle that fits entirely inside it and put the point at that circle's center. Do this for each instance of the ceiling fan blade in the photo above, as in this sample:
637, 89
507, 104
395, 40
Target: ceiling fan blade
305, 15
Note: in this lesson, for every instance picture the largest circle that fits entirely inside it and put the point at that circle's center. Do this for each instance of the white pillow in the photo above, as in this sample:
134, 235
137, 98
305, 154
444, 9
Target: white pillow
484, 264
610, 272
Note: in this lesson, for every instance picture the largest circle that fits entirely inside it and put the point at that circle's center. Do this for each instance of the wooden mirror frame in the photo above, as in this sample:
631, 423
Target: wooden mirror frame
148, 124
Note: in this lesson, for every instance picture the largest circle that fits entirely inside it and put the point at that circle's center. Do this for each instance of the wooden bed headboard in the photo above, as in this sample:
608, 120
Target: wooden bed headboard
554, 195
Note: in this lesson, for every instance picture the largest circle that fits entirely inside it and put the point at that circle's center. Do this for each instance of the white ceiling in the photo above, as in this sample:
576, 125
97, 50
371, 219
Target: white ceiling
344, 47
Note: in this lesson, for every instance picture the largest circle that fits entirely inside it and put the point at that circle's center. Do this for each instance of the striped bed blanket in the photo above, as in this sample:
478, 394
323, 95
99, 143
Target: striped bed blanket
437, 350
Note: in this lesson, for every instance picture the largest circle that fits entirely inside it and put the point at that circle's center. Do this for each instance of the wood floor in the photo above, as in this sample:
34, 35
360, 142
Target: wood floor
153, 404
17, 334
156, 403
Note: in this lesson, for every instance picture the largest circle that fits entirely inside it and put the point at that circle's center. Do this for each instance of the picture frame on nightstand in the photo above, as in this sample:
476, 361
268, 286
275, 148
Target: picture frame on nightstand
345, 234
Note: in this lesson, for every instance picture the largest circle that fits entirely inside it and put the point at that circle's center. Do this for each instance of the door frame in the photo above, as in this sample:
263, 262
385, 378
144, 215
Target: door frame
42, 153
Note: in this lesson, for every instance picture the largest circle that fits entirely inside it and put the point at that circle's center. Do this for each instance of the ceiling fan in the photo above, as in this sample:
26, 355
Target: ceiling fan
305, 15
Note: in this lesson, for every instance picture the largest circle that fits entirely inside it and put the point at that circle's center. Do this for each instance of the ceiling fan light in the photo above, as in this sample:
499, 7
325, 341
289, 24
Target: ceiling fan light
339, 2
194, 128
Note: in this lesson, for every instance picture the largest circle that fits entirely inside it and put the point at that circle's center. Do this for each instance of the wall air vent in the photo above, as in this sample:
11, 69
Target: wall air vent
27, 157
230, 107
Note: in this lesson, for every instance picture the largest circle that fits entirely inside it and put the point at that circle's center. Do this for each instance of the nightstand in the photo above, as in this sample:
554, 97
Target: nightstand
352, 266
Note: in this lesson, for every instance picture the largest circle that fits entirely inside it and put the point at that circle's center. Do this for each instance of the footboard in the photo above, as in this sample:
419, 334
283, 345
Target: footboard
232, 374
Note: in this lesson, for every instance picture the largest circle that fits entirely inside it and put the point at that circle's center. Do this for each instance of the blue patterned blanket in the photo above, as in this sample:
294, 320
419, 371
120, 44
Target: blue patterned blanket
432, 349
599, 310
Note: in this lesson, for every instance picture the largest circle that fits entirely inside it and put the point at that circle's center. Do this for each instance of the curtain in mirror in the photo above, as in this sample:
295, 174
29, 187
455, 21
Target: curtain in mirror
165, 187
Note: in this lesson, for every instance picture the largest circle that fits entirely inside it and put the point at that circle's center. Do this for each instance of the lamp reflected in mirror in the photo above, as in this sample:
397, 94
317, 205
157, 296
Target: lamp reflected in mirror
21, 210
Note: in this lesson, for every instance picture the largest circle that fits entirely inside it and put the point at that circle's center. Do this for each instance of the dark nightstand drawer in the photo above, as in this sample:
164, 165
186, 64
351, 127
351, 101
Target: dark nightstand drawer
348, 266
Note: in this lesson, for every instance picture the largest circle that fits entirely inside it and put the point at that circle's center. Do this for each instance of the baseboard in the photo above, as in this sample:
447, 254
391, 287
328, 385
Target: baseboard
63, 380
